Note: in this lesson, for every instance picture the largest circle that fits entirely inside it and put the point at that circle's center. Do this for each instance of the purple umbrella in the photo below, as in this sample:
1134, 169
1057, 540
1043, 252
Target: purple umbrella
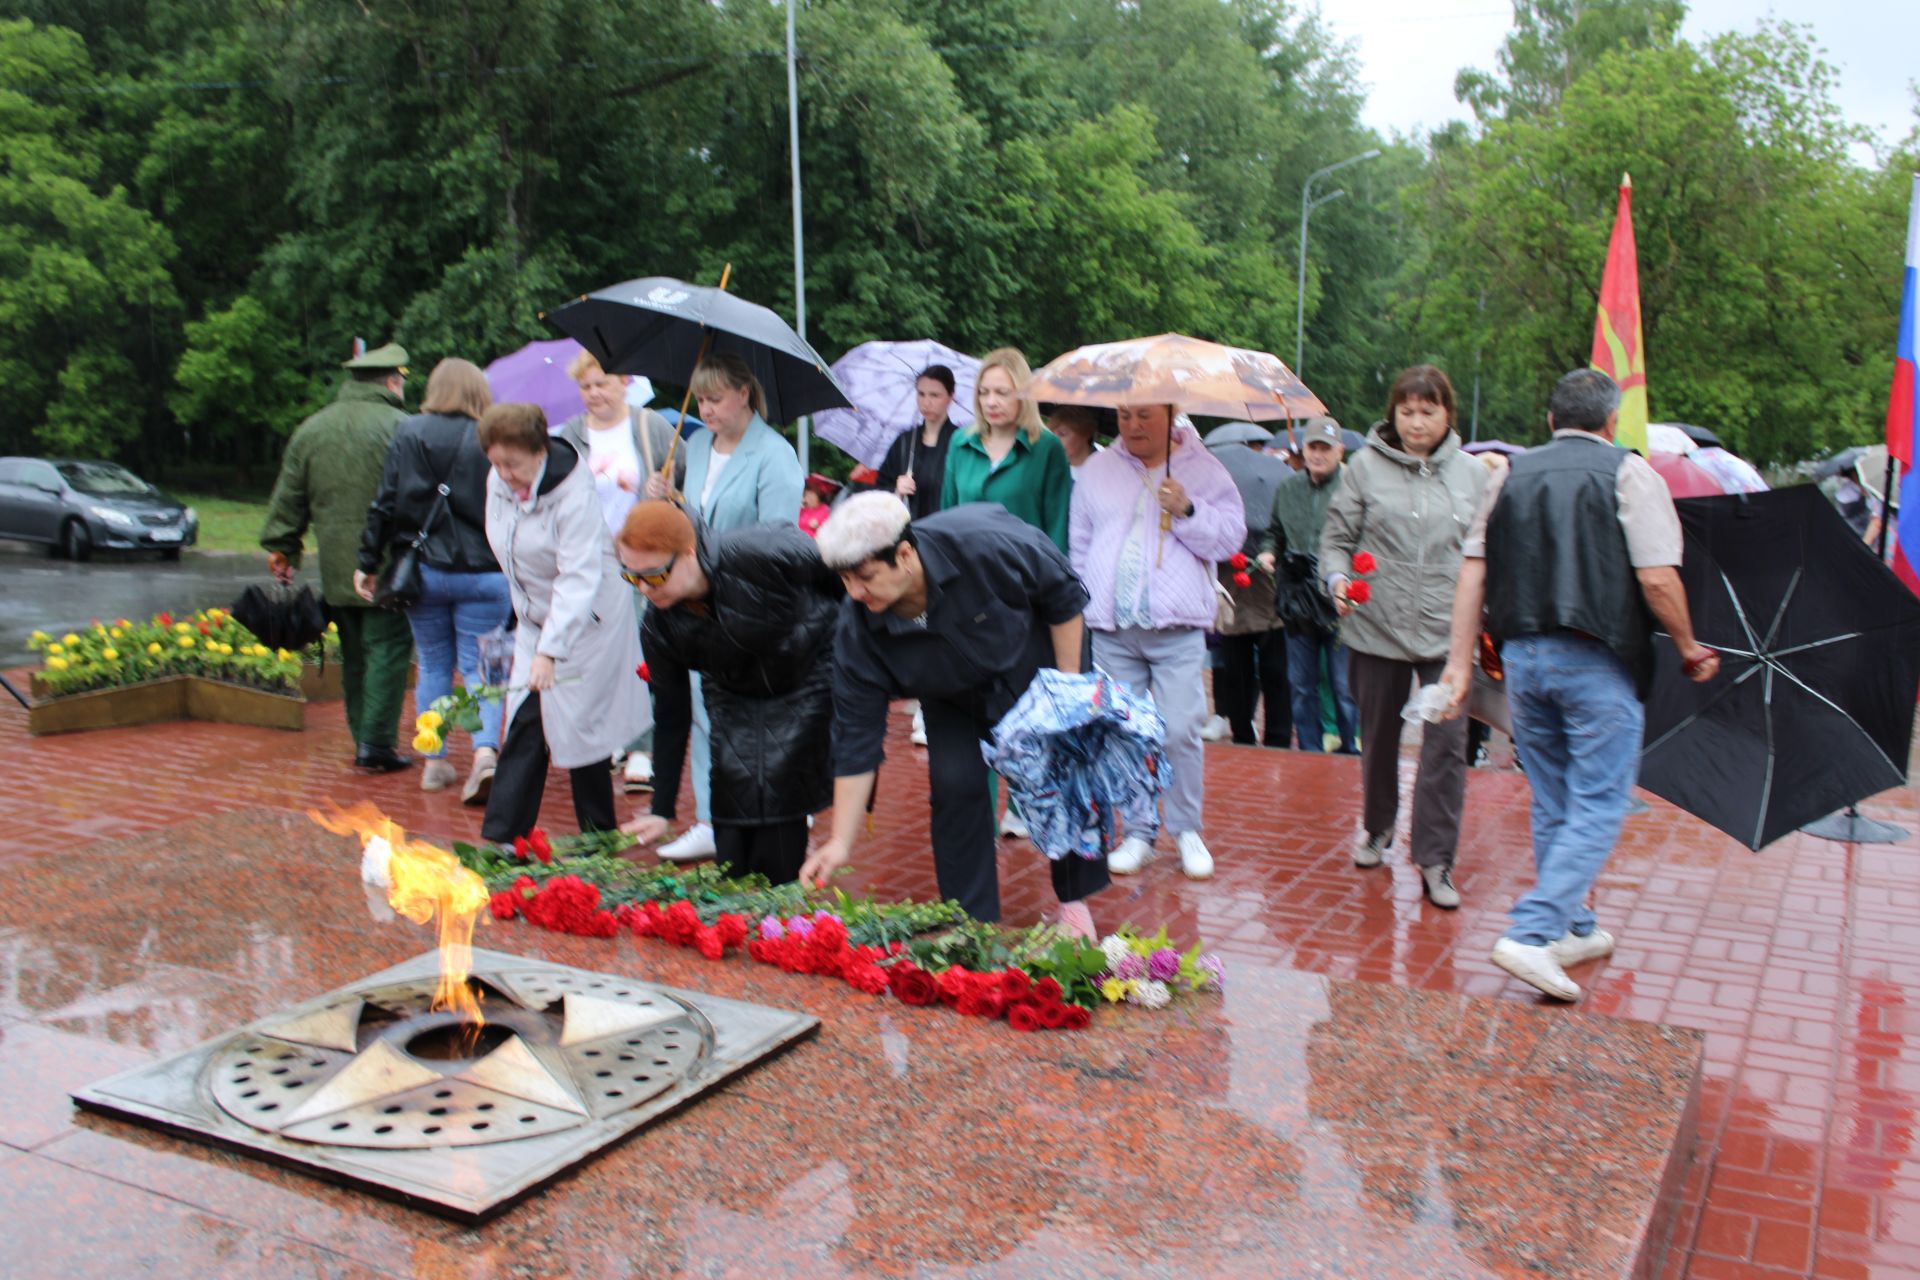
879, 378
537, 374
1493, 446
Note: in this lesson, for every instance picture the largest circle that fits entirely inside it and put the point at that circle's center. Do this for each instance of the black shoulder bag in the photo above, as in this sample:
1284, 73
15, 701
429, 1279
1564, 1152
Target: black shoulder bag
400, 586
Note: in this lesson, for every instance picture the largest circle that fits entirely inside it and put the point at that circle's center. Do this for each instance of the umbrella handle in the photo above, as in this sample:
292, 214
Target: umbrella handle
686, 397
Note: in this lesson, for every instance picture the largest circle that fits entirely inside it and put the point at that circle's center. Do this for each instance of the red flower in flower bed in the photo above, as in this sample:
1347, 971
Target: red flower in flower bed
1358, 592
1363, 562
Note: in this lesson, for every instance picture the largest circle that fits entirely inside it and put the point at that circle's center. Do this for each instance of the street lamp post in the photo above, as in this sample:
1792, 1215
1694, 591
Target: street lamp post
1308, 203
799, 244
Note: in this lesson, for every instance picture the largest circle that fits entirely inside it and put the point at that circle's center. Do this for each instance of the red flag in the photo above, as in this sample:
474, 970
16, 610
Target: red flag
1617, 348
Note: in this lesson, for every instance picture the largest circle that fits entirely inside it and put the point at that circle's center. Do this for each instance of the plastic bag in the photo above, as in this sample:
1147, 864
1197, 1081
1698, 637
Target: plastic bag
1429, 703
496, 656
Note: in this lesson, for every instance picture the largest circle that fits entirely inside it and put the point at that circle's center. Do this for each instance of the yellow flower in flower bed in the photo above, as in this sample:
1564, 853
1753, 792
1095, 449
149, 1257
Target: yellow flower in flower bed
56, 664
183, 626
154, 647
186, 642
110, 653
38, 637
69, 638
283, 655
114, 633
56, 647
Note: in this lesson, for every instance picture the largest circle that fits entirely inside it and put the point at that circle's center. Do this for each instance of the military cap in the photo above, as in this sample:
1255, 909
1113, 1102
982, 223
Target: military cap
391, 356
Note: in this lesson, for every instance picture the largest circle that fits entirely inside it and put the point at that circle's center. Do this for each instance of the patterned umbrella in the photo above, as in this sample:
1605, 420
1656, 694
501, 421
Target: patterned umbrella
879, 378
1199, 377
1082, 758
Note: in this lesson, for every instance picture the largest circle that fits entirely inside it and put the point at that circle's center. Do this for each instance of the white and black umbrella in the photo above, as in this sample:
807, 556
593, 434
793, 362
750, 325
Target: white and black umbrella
660, 327
1820, 660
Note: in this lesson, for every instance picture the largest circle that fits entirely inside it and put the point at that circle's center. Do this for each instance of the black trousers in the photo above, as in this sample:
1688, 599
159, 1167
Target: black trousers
1255, 666
777, 850
960, 804
520, 776
1381, 687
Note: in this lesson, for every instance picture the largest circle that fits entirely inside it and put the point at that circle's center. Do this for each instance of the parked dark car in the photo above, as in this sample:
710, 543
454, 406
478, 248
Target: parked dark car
75, 507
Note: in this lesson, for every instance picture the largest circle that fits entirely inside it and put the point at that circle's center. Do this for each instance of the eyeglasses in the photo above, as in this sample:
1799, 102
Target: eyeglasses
652, 579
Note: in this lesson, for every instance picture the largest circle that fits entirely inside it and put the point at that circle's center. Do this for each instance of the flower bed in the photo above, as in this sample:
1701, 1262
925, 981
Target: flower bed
916, 952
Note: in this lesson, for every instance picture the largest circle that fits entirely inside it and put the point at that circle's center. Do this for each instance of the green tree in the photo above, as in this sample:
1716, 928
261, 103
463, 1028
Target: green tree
240, 385
83, 275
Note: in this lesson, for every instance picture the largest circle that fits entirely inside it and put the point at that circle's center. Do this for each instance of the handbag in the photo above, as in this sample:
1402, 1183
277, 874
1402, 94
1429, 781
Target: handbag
1222, 604
400, 585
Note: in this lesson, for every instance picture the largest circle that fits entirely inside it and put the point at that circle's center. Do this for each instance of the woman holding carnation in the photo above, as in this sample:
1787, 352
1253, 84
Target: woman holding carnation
753, 611
575, 700
1404, 508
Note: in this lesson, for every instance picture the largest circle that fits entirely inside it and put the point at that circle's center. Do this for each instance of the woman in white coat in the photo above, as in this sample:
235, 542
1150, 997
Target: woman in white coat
740, 471
576, 698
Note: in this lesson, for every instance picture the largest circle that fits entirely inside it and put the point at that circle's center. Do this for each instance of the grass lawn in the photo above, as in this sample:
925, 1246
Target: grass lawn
230, 524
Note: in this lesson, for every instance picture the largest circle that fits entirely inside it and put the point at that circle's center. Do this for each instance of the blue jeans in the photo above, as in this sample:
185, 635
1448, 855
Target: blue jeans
1579, 724
454, 611
1303, 676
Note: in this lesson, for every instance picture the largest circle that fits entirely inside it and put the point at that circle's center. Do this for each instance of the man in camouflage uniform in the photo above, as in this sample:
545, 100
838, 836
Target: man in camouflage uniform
328, 479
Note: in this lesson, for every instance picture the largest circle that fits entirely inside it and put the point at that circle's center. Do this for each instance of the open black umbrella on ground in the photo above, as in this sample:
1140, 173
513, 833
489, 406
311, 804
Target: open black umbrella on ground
1819, 663
660, 327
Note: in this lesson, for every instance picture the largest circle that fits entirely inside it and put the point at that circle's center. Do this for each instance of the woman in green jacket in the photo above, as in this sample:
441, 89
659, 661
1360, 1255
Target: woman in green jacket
1006, 456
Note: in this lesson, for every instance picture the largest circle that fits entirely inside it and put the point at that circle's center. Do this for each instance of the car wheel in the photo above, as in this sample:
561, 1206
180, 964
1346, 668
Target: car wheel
76, 541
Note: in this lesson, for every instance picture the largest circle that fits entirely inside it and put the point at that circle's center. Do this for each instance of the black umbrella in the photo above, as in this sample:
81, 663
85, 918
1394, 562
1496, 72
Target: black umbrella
660, 327
284, 616
1820, 659
1699, 435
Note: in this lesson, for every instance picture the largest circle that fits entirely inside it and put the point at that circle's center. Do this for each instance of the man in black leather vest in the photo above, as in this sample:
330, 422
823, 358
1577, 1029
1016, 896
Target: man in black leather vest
1574, 557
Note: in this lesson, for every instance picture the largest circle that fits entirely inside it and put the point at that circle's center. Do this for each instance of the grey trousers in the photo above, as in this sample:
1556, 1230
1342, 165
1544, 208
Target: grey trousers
1170, 665
1380, 688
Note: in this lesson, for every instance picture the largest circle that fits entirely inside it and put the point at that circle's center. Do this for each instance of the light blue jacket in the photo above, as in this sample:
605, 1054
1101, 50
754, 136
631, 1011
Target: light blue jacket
761, 482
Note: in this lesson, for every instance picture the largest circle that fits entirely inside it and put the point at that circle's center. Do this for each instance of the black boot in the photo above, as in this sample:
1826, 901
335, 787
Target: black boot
379, 759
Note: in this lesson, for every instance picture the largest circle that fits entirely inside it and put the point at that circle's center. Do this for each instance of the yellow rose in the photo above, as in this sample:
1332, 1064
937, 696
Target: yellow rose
426, 742
56, 664
110, 653
429, 719
154, 647
186, 642
69, 638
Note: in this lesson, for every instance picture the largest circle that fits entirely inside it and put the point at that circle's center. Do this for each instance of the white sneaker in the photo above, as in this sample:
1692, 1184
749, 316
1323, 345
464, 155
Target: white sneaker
1131, 854
1194, 858
1369, 850
1572, 950
1216, 729
639, 772
919, 735
696, 843
1535, 966
1012, 824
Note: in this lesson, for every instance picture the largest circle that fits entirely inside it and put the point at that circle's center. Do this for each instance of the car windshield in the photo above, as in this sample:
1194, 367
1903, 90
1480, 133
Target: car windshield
103, 478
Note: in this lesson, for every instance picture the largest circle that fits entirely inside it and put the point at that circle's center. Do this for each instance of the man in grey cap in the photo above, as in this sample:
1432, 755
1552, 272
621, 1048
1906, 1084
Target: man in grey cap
328, 478
1299, 514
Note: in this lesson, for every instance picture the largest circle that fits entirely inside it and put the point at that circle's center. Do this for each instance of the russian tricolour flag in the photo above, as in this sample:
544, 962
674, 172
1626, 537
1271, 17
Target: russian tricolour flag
1903, 410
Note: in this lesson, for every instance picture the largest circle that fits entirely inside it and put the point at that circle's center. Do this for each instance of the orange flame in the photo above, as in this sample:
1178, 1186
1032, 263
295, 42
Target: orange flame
425, 881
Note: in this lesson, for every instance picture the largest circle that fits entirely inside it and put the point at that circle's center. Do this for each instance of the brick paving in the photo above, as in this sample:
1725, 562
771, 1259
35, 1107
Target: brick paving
1799, 963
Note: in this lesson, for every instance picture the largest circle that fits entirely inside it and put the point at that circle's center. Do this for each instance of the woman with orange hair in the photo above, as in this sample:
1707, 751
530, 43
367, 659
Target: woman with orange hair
752, 610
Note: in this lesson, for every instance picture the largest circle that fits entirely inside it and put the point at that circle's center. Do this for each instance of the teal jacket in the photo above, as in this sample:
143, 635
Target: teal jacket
762, 480
1032, 482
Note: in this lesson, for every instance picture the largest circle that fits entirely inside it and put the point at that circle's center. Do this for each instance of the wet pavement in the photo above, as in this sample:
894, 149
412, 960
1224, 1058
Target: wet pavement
1324, 1118
42, 593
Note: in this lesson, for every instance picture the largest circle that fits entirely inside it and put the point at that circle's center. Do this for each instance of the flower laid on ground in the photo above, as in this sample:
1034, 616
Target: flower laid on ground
210, 644
922, 954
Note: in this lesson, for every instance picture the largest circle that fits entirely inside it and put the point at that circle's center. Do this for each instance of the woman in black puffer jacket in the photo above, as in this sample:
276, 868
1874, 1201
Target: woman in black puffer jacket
753, 610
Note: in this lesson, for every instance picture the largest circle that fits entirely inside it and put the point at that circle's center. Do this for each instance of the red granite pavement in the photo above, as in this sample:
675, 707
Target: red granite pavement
1800, 964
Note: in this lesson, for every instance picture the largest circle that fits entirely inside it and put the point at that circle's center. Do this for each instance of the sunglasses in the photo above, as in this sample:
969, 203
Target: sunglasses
653, 579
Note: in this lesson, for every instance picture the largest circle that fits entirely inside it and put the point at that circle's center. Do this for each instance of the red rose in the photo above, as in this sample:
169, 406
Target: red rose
1077, 1018
1358, 592
953, 983
1014, 985
1024, 1017
505, 904
642, 672
1238, 560
1047, 991
912, 985
1363, 562
1243, 580
1053, 1016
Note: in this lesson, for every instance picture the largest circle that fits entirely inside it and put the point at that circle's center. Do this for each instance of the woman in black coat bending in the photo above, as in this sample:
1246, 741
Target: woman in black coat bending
753, 610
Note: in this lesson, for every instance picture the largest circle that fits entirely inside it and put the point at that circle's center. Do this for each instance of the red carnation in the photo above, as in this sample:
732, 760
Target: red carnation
505, 904
870, 978
706, 939
1238, 560
602, 924
521, 849
1363, 562
1243, 580
732, 929
537, 841
912, 985
1077, 1018
1358, 592
1024, 1017
526, 885
642, 672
